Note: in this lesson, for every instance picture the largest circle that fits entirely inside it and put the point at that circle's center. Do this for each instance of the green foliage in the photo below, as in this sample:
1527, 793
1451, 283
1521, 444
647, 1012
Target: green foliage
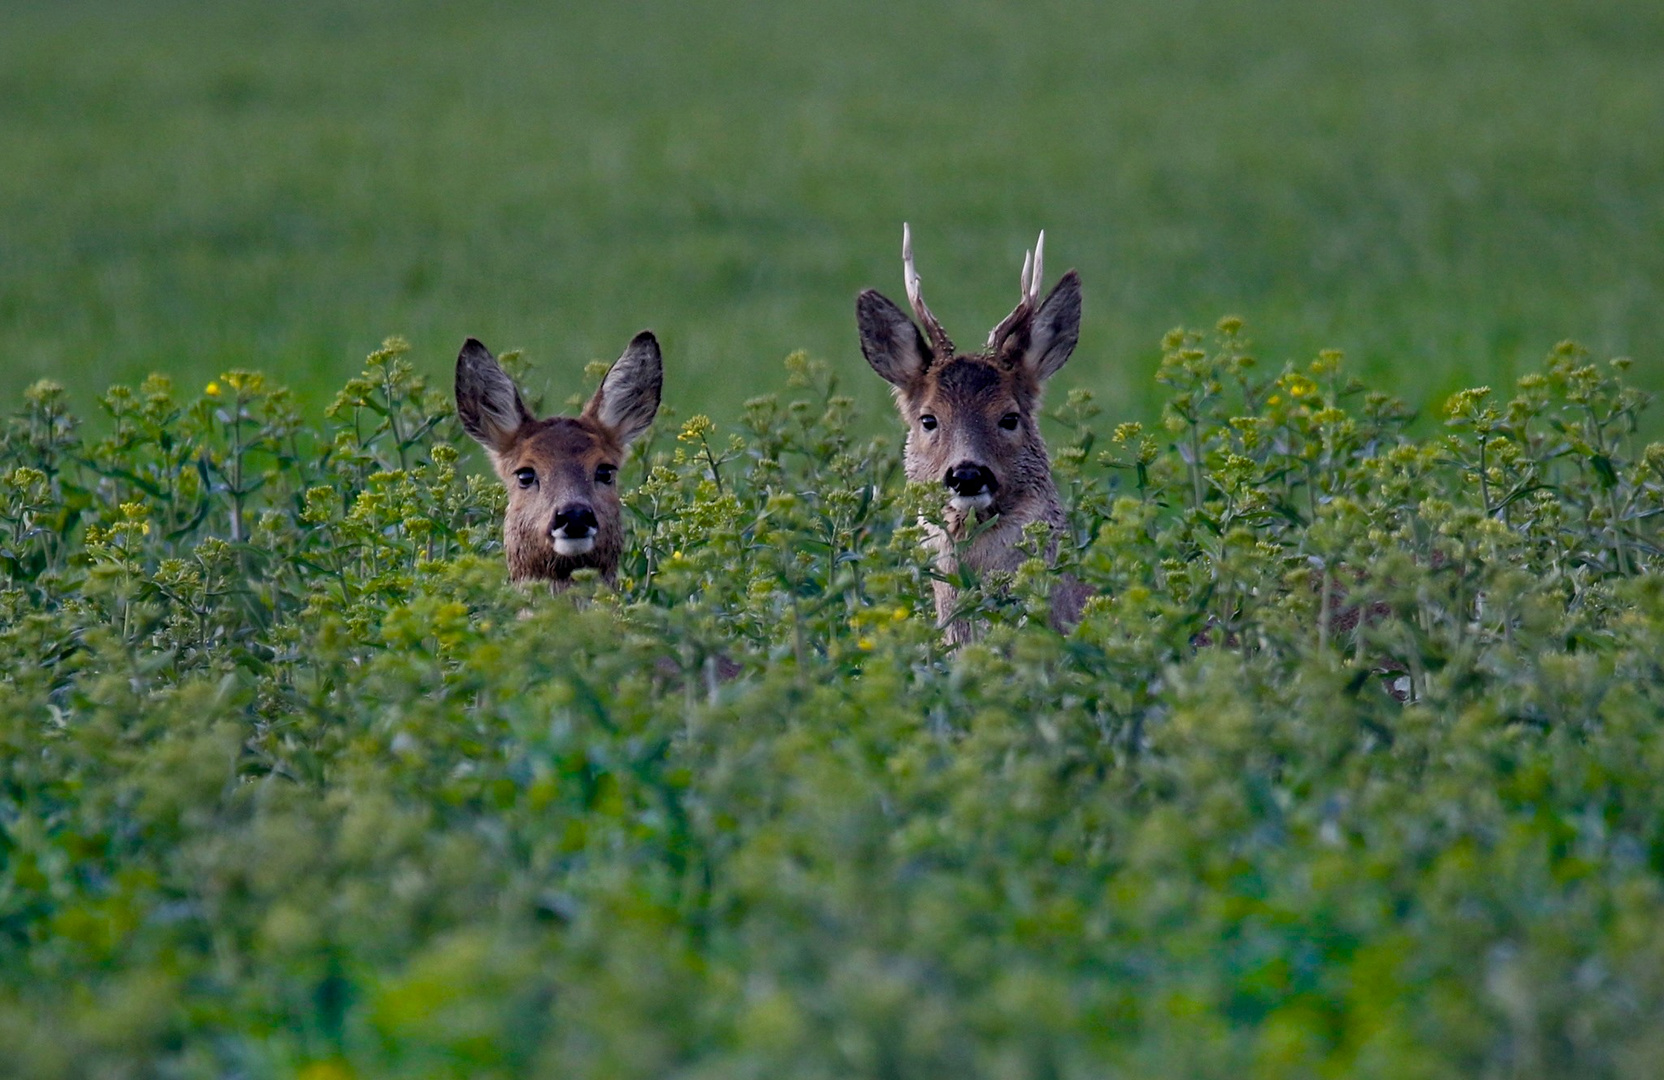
1349, 769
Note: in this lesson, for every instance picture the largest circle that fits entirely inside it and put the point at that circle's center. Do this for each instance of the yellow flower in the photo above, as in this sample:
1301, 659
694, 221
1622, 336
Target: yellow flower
696, 428
326, 1070
146, 529
864, 644
1273, 399
212, 389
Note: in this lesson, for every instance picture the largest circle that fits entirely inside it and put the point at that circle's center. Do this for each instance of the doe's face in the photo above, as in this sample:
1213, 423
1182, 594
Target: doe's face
562, 481
561, 473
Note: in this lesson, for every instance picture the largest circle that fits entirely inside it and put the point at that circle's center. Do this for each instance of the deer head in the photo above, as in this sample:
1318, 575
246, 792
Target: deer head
972, 422
561, 473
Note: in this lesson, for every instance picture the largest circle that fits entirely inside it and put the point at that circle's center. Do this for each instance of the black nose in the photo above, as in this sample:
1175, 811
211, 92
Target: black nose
968, 480
575, 521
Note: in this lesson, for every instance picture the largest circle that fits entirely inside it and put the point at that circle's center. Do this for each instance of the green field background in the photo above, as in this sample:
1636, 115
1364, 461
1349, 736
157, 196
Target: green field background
1441, 189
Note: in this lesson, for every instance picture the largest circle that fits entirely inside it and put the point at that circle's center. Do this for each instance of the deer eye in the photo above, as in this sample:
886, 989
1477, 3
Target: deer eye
927, 422
527, 477
605, 474
1010, 421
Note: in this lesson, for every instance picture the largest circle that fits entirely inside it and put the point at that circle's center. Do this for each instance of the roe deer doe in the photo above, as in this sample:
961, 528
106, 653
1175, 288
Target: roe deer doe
972, 423
561, 473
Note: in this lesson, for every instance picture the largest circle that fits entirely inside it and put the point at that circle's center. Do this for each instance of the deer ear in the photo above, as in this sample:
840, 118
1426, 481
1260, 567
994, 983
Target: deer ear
487, 402
890, 341
628, 398
1054, 330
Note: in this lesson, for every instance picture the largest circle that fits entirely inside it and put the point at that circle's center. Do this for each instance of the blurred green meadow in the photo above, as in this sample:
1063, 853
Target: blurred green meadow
1443, 190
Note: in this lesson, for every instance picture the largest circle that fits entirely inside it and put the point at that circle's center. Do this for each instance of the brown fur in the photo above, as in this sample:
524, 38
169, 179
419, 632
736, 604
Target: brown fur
968, 394
566, 456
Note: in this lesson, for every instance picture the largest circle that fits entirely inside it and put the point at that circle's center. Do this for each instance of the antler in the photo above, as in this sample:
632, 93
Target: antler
939, 340
1029, 297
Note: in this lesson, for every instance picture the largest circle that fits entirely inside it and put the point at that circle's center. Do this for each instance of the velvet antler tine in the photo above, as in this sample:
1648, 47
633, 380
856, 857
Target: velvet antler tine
1028, 283
1034, 282
939, 340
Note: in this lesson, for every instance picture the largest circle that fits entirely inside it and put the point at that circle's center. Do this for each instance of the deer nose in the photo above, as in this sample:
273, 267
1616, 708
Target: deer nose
967, 480
575, 521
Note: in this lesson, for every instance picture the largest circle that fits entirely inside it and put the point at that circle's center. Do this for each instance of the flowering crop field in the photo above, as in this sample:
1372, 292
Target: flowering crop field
1350, 769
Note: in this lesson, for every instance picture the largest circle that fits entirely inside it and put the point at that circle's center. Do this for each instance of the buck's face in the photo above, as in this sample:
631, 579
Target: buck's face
971, 417
561, 473
970, 427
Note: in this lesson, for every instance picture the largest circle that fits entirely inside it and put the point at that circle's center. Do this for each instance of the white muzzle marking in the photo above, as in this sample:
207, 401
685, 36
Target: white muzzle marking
565, 545
964, 504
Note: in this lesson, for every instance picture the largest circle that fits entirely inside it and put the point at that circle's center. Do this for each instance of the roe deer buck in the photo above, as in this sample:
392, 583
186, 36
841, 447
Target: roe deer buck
561, 473
972, 424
